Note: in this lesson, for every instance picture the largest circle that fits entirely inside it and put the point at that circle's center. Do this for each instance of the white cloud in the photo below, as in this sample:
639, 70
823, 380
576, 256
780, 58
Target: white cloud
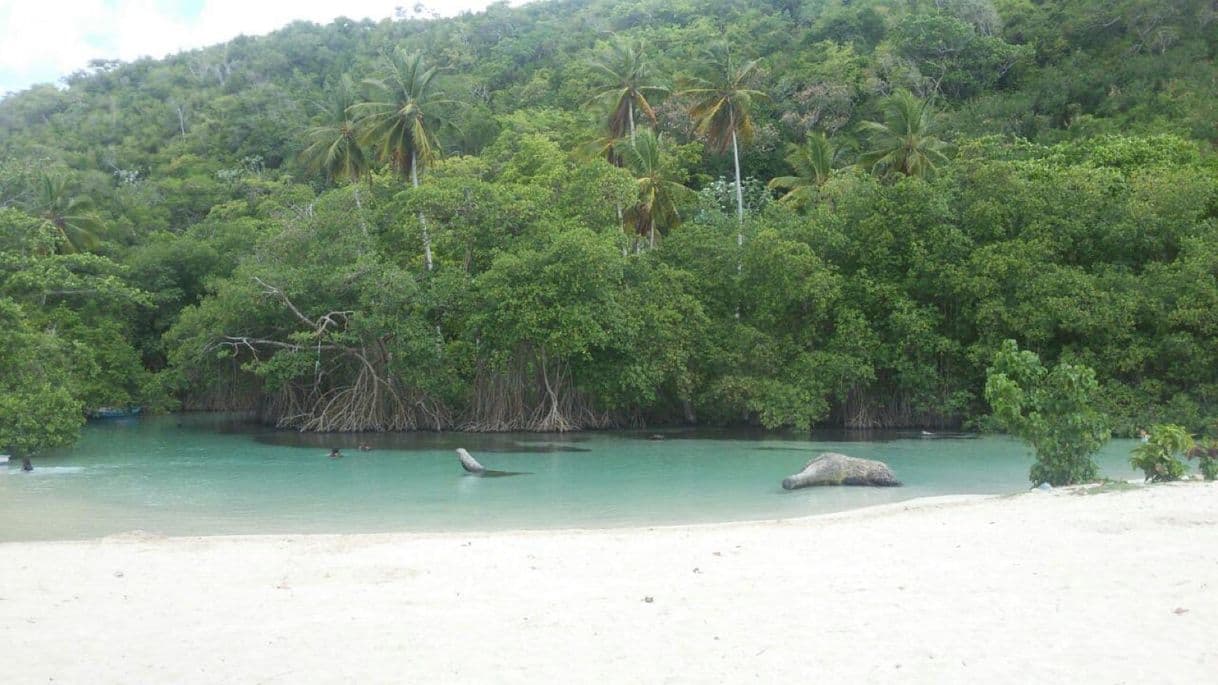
44, 40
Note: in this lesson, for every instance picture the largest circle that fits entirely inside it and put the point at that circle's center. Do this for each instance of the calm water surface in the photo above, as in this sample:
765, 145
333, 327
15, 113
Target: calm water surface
207, 475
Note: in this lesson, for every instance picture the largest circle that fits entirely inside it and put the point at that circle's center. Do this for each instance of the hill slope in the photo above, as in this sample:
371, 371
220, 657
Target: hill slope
182, 228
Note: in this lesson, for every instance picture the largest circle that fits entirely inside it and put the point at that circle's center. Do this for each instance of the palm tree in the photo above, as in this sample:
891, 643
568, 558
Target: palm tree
334, 147
71, 215
720, 109
813, 166
402, 124
660, 189
905, 143
625, 82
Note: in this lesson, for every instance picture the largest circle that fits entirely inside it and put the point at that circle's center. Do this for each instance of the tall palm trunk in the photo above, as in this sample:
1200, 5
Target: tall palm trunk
359, 208
739, 206
652, 233
739, 192
619, 205
414, 180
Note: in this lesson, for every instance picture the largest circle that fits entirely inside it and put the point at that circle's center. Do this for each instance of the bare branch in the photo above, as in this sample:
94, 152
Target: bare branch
321, 324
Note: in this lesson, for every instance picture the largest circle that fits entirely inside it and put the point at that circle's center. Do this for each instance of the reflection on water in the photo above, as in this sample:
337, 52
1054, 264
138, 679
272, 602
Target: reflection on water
203, 474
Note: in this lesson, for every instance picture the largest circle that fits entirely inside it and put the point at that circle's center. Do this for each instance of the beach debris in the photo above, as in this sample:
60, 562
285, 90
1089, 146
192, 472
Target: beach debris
468, 462
649, 599
1180, 611
118, 574
831, 468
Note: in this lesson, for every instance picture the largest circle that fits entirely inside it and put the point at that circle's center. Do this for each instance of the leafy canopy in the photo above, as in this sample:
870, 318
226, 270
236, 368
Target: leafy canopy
1053, 410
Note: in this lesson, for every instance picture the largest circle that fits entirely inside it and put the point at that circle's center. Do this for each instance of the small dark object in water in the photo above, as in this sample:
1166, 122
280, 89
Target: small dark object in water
26, 465
491, 473
655, 436
336, 454
365, 447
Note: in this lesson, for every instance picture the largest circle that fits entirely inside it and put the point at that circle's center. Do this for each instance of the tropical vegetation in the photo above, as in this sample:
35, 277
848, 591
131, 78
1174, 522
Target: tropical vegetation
603, 213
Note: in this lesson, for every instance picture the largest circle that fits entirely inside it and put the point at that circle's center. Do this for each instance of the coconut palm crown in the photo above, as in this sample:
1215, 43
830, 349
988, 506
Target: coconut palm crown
905, 143
812, 163
334, 147
401, 122
661, 191
71, 215
625, 82
721, 107
722, 99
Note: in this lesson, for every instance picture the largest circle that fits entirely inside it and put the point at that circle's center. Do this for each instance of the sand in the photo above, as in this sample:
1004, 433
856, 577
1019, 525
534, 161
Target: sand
1116, 587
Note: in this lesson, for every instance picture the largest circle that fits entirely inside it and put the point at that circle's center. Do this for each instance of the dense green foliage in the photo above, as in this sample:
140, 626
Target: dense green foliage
64, 347
516, 220
1159, 457
1053, 410
1206, 455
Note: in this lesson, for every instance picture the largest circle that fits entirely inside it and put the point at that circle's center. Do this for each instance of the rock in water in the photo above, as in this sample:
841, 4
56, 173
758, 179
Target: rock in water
831, 468
468, 462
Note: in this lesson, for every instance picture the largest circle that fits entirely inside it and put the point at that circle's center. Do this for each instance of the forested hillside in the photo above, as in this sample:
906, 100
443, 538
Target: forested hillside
597, 213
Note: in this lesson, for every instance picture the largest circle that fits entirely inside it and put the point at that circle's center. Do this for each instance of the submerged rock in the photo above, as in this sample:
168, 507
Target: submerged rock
831, 468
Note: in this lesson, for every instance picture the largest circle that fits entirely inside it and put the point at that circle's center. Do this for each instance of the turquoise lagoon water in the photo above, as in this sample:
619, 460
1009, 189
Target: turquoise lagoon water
207, 475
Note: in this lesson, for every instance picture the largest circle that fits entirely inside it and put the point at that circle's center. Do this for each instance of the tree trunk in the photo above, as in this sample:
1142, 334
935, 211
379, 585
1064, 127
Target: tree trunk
359, 207
739, 204
652, 233
688, 408
631, 123
414, 180
739, 192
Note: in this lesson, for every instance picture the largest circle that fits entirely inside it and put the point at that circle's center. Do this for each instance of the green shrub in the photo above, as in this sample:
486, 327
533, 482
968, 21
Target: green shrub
1157, 457
1053, 410
1206, 455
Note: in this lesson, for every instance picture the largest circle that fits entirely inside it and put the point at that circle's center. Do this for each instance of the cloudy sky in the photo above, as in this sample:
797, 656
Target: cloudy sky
43, 40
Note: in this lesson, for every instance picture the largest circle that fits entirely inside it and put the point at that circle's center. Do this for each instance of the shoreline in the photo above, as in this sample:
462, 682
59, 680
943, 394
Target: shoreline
1049, 586
914, 503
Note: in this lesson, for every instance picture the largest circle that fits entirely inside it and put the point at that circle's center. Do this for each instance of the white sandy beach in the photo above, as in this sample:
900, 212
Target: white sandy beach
1117, 587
